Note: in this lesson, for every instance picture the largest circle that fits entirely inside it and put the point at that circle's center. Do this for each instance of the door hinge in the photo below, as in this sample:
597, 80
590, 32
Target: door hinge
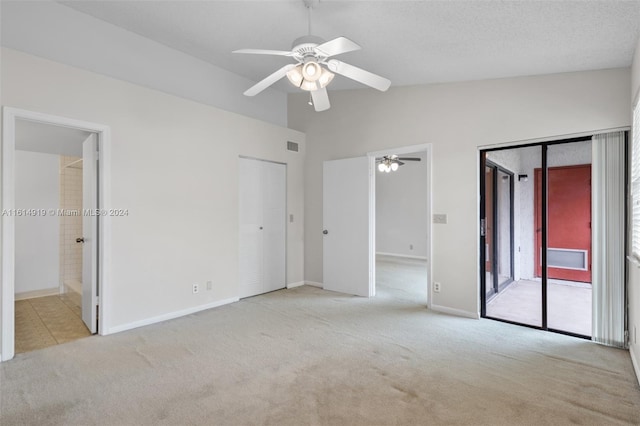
97, 300
483, 227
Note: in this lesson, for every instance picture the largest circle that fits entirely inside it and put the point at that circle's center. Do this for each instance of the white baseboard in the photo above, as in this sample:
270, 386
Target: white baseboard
294, 285
314, 284
408, 256
37, 293
170, 315
635, 362
456, 312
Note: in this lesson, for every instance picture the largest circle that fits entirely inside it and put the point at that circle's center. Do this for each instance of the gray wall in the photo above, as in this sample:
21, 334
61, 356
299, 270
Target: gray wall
174, 167
458, 119
57, 32
401, 209
37, 238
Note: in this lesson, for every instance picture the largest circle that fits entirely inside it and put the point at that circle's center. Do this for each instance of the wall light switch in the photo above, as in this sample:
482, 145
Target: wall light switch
209, 285
440, 218
291, 218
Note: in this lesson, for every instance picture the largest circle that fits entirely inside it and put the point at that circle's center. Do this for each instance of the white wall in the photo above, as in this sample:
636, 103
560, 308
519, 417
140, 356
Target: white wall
457, 119
37, 250
634, 270
401, 209
54, 31
175, 168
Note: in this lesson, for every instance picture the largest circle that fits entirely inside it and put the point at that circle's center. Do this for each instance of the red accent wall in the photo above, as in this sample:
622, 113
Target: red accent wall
569, 216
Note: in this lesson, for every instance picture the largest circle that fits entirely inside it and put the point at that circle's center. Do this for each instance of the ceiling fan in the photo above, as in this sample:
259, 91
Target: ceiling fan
390, 163
314, 69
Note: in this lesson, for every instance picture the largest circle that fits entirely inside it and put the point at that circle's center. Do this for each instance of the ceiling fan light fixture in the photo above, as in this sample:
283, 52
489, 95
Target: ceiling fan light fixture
394, 166
311, 70
295, 76
325, 77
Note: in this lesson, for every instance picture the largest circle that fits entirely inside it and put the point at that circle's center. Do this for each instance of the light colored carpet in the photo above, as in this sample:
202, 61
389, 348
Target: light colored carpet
311, 357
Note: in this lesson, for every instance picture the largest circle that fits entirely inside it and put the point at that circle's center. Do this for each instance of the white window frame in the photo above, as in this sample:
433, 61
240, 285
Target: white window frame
635, 182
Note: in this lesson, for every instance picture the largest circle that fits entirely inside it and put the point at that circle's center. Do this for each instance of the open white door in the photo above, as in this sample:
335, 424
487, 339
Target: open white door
90, 233
346, 265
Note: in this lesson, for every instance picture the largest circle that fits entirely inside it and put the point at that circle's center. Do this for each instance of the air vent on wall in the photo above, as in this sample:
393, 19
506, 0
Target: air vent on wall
292, 146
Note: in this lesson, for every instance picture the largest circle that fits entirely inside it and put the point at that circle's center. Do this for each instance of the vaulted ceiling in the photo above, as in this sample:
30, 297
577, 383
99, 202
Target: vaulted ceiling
409, 42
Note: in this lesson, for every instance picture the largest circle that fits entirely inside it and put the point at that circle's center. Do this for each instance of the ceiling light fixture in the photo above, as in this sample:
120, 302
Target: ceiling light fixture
391, 163
310, 76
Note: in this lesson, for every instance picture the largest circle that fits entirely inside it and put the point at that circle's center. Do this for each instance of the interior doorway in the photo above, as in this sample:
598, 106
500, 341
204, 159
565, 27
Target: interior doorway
349, 222
55, 225
401, 225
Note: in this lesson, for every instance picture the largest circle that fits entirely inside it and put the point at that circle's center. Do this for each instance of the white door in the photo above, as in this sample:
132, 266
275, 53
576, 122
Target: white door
346, 260
274, 199
90, 233
262, 243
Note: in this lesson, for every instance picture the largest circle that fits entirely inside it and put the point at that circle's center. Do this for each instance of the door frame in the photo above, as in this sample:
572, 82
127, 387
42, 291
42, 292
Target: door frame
543, 145
285, 218
494, 255
7, 226
428, 149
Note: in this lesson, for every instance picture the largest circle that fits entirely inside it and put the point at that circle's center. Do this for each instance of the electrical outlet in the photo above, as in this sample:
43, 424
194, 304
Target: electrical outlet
209, 285
195, 288
436, 287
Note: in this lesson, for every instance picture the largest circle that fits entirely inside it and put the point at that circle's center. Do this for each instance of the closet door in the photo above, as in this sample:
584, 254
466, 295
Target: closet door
262, 243
250, 199
274, 180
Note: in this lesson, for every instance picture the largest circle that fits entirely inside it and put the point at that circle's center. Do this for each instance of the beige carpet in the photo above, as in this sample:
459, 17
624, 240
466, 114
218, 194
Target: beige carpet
310, 357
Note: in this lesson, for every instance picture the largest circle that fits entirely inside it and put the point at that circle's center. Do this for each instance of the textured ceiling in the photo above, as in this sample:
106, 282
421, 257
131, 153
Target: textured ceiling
409, 42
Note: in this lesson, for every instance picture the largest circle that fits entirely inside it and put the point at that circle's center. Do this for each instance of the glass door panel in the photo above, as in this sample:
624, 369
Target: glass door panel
569, 238
517, 292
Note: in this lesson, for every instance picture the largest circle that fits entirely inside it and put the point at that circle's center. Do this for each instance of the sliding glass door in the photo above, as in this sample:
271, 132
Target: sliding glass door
498, 224
536, 235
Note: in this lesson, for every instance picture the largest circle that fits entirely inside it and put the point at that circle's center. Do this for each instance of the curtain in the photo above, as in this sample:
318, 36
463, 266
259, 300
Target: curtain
608, 236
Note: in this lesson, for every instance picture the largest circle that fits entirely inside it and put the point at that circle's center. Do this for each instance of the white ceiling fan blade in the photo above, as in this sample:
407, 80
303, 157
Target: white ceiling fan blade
337, 46
264, 52
263, 84
358, 74
320, 99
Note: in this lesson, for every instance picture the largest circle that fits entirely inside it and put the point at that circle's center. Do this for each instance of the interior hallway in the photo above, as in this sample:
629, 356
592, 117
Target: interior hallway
401, 277
48, 321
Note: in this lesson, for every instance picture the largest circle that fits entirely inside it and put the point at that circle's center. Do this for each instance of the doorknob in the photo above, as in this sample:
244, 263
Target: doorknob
325, 232
261, 228
79, 240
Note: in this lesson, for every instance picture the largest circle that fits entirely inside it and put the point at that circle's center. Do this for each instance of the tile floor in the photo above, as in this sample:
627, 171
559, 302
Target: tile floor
47, 321
569, 305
